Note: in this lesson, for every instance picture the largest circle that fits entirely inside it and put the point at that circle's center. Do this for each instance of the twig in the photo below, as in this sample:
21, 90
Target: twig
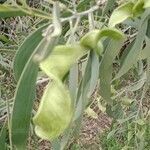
92, 9
41, 81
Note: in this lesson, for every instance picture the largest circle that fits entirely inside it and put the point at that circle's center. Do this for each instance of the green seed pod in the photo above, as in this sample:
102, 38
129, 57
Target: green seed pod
90, 41
54, 113
61, 59
55, 110
111, 33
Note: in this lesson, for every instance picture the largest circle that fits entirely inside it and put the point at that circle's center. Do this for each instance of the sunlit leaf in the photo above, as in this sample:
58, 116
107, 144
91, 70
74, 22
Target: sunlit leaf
138, 8
126, 101
55, 111
146, 3
121, 13
10, 11
91, 113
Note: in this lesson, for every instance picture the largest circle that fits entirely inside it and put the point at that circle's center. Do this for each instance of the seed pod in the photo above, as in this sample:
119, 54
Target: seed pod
61, 59
55, 110
90, 41
54, 113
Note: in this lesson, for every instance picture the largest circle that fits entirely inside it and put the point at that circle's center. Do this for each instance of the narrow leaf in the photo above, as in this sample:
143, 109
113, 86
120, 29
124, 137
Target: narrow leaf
3, 137
145, 53
25, 51
106, 68
121, 13
139, 84
138, 8
109, 6
24, 96
91, 113
133, 54
94, 74
7, 11
10, 11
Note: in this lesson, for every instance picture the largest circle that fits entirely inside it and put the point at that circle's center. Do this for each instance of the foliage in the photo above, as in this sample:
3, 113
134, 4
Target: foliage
55, 50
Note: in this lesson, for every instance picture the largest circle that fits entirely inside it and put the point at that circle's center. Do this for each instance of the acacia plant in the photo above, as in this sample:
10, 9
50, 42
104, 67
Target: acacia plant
68, 93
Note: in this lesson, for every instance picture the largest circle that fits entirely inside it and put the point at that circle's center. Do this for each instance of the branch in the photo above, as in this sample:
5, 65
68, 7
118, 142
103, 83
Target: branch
76, 15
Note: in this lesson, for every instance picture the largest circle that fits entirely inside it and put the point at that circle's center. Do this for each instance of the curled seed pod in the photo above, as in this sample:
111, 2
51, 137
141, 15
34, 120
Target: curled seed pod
111, 33
61, 59
90, 41
55, 110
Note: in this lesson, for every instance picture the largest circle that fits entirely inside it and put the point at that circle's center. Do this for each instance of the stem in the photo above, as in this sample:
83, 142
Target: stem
9, 126
76, 15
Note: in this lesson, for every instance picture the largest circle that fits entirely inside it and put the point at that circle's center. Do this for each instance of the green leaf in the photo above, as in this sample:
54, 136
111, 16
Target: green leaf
94, 74
73, 82
55, 111
10, 11
139, 84
111, 134
146, 3
140, 122
126, 101
3, 137
7, 11
138, 8
115, 110
56, 144
91, 113
106, 68
100, 106
126, 51
121, 13
148, 29
24, 96
5, 39
109, 6
82, 100
145, 53
25, 92
25, 51
133, 54
91, 39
